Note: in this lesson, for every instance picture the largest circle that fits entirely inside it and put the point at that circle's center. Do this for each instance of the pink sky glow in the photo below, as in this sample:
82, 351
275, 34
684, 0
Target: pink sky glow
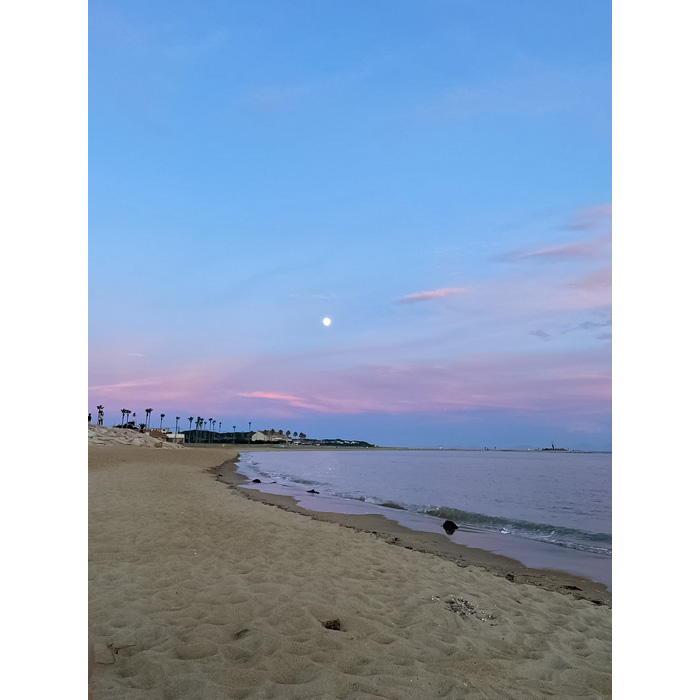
519, 383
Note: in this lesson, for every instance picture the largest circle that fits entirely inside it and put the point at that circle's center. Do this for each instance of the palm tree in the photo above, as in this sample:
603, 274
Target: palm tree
162, 415
190, 419
123, 413
148, 417
295, 433
302, 436
177, 419
128, 413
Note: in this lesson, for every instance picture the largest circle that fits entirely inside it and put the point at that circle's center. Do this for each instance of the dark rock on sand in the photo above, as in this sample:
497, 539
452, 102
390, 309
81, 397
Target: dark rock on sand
332, 624
449, 527
256, 481
311, 491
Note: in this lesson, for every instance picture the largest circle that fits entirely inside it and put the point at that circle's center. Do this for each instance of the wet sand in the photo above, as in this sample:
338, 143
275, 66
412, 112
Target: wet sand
438, 544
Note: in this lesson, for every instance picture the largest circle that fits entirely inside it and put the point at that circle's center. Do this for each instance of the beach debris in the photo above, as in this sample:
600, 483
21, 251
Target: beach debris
449, 527
114, 650
510, 577
331, 624
463, 607
312, 491
241, 633
256, 481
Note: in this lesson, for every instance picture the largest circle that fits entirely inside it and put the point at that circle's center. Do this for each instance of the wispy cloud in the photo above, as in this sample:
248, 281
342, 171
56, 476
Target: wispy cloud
582, 250
594, 289
592, 218
317, 403
434, 294
587, 326
296, 401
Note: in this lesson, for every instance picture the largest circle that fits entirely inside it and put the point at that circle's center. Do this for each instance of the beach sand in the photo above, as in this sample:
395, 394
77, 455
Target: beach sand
198, 592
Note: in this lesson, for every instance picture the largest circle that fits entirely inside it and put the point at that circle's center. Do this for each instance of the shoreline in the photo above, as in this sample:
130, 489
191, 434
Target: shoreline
199, 593
393, 533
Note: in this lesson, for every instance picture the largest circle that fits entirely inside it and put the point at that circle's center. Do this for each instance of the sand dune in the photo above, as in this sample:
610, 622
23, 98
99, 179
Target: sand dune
100, 436
197, 592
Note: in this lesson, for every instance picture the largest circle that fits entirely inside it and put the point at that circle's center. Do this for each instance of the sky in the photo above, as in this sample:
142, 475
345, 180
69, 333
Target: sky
432, 176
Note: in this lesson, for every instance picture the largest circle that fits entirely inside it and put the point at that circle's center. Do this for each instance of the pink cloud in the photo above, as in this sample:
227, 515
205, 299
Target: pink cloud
592, 218
317, 404
296, 401
434, 294
583, 250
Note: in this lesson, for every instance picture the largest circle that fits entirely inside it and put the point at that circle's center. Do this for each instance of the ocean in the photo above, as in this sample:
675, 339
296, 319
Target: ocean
546, 509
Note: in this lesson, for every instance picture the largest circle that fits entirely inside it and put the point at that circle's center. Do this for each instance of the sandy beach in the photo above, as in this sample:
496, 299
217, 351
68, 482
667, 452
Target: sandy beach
199, 590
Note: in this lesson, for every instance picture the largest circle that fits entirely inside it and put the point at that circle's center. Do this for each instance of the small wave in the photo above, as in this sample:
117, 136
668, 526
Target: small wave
594, 542
391, 504
304, 482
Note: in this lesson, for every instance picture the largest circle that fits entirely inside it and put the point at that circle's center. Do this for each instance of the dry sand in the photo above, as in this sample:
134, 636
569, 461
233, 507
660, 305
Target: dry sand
197, 592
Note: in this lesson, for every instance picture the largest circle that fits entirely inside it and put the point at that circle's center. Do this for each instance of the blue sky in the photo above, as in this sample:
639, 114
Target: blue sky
435, 177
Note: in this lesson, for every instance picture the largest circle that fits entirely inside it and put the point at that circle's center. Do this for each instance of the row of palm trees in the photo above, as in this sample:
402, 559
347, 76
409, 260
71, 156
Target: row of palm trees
127, 413
129, 416
272, 433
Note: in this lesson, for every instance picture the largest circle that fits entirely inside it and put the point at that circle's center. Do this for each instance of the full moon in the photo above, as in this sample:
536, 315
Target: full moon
326, 321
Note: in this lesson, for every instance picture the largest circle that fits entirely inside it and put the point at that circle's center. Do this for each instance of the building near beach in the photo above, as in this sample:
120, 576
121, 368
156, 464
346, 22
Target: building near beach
268, 436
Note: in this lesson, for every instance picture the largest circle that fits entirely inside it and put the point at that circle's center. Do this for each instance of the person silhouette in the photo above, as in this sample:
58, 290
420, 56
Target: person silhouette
89, 417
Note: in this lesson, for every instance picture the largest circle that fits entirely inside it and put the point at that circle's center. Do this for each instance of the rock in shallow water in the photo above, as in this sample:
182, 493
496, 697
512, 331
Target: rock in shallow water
449, 527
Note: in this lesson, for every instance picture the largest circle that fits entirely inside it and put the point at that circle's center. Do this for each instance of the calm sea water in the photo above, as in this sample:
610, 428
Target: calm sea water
550, 509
